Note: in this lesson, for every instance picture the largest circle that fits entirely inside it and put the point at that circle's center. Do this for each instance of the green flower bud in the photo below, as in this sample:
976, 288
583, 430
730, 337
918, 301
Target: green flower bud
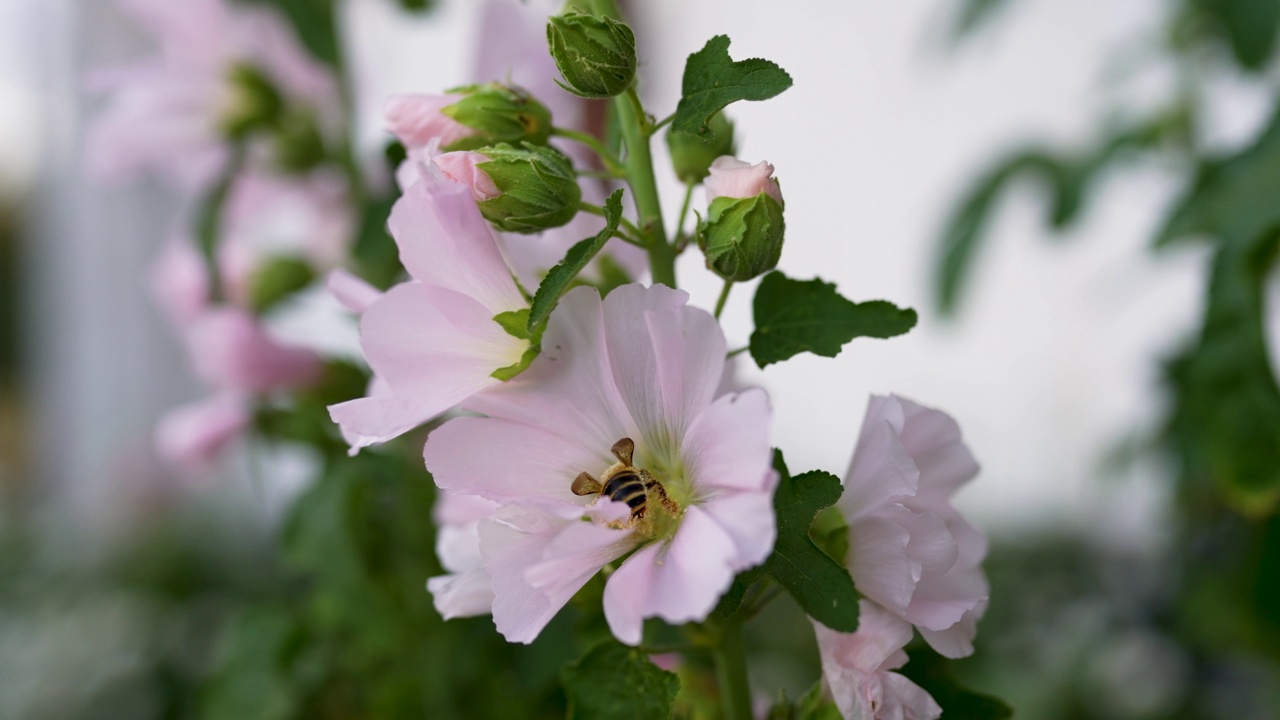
597, 56
255, 102
743, 231
692, 155
524, 189
498, 114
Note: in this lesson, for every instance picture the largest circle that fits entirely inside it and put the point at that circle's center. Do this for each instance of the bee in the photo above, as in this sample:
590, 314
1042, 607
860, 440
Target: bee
624, 482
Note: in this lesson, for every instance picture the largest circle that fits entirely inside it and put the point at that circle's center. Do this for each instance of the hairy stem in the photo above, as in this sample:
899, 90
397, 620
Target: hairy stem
731, 672
611, 161
724, 297
639, 166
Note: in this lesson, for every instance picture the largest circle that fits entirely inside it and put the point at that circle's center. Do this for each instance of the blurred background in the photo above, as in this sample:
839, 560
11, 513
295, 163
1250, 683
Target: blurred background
1002, 166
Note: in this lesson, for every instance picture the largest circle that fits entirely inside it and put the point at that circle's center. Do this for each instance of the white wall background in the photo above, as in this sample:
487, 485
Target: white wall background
1051, 365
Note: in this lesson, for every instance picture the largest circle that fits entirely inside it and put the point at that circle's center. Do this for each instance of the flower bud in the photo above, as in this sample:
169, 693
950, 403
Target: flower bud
692, 155
469, 117
597, 56
254, 102
743, 231
524, 189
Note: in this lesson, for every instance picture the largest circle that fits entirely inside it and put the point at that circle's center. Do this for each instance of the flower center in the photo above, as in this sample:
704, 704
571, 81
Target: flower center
654, 514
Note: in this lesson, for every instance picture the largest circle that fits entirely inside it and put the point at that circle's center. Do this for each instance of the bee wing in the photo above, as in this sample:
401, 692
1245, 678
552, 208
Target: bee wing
584, 484
624, 450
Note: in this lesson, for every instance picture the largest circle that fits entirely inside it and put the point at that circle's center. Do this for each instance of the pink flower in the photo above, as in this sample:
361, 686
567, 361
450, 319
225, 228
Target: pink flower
631, 377
909, 549
467, 590
734, 178
164, 113
191, 437
433, 341
232, 351
418, 119
460, 167
858, 669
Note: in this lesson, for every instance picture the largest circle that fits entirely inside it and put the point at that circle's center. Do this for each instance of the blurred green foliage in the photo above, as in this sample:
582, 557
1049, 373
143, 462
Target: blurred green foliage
1212, 605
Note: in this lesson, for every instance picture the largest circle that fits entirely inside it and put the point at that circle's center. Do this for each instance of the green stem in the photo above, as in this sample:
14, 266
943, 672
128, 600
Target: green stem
639, 165
681, 240
611, 161
659, 125
724, 297
736, 352
731, 673
209, 220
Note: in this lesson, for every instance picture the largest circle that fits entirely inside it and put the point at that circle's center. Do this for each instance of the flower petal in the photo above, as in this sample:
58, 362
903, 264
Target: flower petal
462, 594
354, 293
444, 241
535, 571
881, 471
727, 445
433, 348
679, 582
666, 359
503, 460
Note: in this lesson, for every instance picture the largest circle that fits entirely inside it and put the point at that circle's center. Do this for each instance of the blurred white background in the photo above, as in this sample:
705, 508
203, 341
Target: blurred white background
1051, 367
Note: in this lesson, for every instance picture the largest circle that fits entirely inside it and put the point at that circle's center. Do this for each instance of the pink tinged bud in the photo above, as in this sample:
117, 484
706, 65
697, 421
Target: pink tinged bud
460, 167
418, 119
731, 177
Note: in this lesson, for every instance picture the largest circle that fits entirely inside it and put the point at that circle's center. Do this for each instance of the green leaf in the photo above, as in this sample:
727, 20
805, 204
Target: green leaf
1249, 26
795, 316
813, 705
1226, 419
615, 681
713, 80
276, 279
560, 278
251, 680
928, 669
821, 586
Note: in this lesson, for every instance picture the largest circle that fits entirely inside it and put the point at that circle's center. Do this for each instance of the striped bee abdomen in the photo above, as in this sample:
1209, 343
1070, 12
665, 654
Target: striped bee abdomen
627, 486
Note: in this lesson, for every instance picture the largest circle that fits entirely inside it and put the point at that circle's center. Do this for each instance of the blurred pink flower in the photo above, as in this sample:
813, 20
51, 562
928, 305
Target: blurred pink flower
642, 365
858, 669
433, 340
909, 549
191, 437
733, 178
163, 113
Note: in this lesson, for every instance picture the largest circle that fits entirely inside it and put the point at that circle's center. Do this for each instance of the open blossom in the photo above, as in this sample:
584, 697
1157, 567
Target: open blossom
433, 341
858, 668
166, 113
909, 549
615, 441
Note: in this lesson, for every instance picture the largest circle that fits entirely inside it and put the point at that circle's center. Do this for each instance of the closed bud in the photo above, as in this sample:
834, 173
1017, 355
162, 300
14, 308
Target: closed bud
524, 189
742, 234
495, 114
692, 155
596, 56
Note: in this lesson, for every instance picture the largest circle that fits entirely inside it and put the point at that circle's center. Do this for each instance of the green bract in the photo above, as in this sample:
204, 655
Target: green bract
255, 102
539, 188
499, 114
742, 237
597, 56
692, 155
